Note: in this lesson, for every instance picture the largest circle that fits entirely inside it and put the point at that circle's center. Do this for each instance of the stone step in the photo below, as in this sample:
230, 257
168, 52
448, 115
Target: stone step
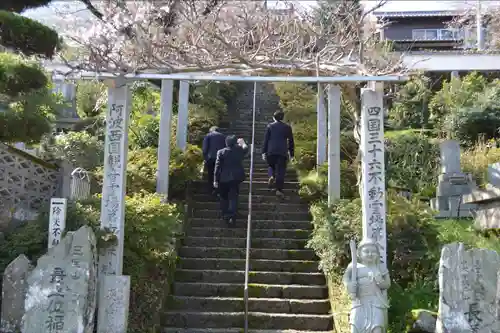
256, 320
239, 253
242, 232
203, 222
234, 304
256, 197
260, 277
257, 243
257, 213
254, 290
232, 330
244, 190
276, 206
302, 266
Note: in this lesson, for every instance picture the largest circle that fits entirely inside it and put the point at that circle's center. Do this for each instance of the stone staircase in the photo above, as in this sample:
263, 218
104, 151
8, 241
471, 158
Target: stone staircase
287, 291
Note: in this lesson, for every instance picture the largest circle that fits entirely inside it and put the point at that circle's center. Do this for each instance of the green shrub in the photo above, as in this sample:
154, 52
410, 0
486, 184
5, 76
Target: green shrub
456, 94
88, 96
207, 108
410, 104
151, 229
142, 167
80, 149
314, 185
27, 36
477, 159
412, 162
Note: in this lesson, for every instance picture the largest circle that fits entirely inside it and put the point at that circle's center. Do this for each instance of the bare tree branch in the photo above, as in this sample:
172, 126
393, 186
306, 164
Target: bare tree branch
232, 36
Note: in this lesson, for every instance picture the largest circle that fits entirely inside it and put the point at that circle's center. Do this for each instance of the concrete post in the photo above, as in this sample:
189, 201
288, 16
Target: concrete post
166, 99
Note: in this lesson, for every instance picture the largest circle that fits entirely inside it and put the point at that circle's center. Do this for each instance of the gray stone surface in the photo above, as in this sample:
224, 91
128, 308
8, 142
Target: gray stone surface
494, 174
453, 185
62, 288
468, 290
14, 288
114, 298
450, 156
424, 323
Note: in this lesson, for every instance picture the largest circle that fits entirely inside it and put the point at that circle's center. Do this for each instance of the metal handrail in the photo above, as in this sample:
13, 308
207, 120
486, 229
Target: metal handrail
249, 221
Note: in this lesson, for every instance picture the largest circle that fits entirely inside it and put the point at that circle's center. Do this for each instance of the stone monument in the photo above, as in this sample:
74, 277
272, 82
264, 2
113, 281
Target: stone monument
453, 184
487, 201
366, 281
468, 290
62, 288
14, 288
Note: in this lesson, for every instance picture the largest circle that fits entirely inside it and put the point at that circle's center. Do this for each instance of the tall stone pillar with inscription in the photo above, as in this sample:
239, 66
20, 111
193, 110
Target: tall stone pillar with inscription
115, 166
373, 168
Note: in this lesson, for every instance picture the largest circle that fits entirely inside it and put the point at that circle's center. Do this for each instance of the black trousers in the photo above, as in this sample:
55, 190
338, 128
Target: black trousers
229, 193
210, 166
278, 166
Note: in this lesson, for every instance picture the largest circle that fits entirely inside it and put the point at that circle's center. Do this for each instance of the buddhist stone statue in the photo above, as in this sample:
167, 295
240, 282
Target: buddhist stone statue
366, 281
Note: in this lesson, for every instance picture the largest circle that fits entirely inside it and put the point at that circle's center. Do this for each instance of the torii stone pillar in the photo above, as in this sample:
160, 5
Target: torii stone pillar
182, 120
333, 143
166, 99
322, 126
373, 166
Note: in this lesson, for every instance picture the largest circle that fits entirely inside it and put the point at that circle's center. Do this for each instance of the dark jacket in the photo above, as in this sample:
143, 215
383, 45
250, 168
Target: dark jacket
278, 139
212, 143
229, 164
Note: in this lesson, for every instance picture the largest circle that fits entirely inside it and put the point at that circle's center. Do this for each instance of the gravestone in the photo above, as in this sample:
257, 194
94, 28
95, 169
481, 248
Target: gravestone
14, 288
62, 288
453, 184
487, 200
468, 290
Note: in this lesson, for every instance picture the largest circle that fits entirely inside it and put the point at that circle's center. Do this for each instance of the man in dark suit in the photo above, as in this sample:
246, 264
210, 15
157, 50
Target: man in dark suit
212, 143
229, 174
278, 147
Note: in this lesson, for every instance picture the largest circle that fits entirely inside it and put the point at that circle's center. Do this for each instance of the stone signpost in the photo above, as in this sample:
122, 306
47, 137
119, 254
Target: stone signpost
57, 220
62, 288
373, 168
115, 166
468, 290
114, 304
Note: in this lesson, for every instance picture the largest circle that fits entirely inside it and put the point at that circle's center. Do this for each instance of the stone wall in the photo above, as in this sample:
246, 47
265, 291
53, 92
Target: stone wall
26, 184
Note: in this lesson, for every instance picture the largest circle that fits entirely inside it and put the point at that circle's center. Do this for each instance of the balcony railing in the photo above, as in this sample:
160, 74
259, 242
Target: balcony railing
437, 34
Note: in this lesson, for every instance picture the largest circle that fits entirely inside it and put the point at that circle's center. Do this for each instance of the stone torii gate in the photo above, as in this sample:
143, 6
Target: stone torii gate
328, 143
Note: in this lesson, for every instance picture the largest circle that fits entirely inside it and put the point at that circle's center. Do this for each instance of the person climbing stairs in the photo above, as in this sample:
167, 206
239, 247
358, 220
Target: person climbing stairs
287, 292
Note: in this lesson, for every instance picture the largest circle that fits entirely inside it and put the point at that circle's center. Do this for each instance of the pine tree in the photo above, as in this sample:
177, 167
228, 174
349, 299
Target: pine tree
27, 104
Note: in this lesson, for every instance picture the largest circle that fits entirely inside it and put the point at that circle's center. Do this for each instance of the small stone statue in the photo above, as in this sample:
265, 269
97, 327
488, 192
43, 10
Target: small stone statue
365, 281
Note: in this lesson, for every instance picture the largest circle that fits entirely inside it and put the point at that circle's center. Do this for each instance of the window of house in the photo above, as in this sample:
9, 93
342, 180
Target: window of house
431, 34
419, 34
447, 34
